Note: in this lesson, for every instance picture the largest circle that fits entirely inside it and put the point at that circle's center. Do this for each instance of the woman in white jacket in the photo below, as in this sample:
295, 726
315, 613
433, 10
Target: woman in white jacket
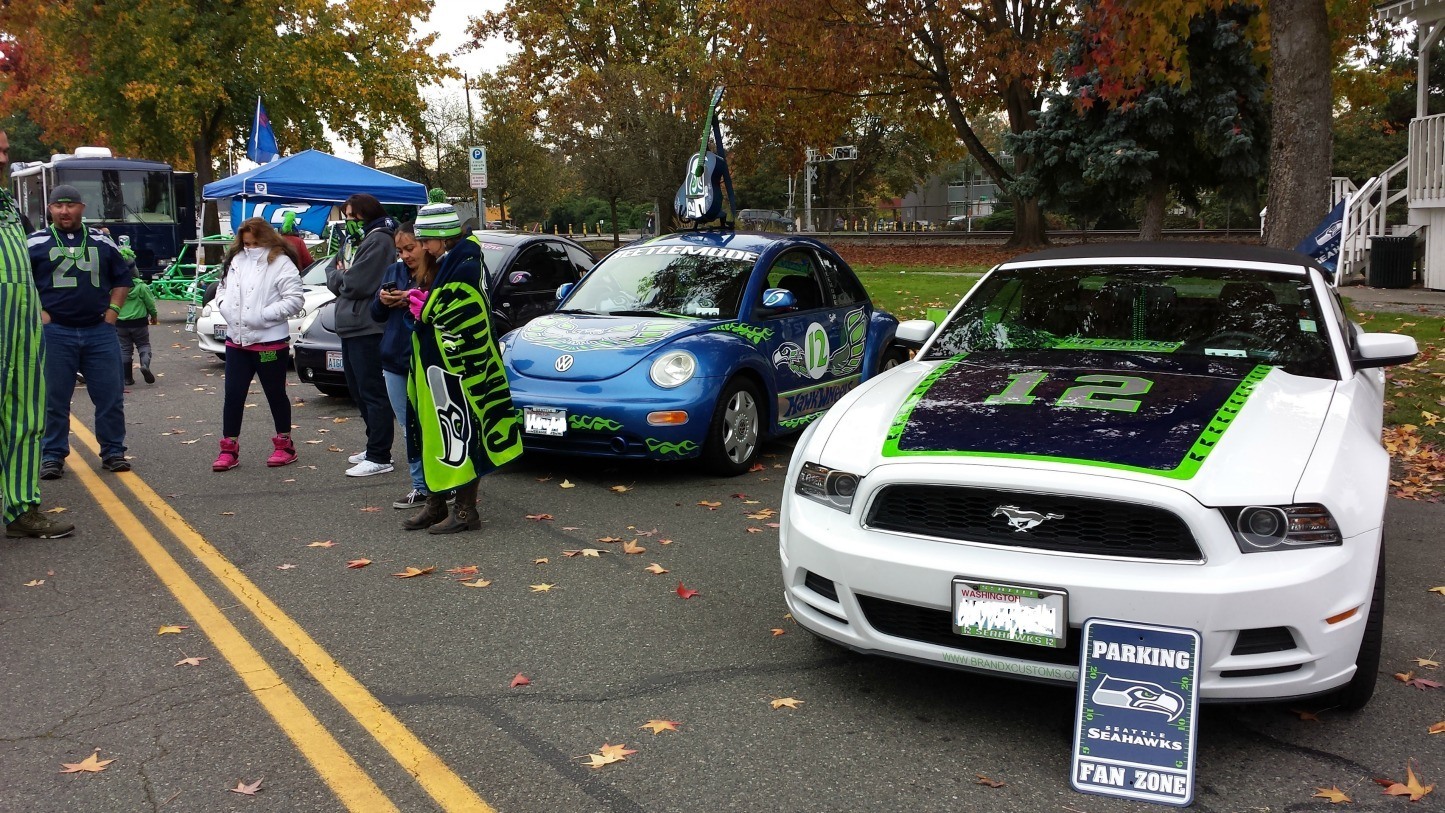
260, 288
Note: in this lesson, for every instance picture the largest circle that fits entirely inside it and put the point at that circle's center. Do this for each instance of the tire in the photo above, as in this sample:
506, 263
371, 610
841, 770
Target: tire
892, 357
209, 294
221, 357
734, 435
334, 391
1354, 695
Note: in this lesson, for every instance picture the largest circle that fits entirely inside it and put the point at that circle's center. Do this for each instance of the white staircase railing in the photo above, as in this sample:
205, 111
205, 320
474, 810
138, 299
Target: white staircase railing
1365, 217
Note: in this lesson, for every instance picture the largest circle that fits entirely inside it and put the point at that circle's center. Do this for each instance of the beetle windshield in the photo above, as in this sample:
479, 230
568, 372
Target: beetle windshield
1262, 317
698, 285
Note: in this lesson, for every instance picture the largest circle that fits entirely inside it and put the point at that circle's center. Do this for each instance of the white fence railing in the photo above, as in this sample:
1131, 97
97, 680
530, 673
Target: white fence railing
1365, 217
1427, 160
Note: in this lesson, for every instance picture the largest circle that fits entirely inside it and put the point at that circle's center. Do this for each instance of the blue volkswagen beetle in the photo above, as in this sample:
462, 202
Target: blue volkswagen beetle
698, 344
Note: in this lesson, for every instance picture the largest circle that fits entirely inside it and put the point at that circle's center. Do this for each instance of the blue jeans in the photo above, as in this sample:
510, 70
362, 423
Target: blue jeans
396, 392
95, 353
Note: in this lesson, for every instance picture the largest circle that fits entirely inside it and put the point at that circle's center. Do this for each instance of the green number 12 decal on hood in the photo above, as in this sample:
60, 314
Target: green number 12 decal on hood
1095, 392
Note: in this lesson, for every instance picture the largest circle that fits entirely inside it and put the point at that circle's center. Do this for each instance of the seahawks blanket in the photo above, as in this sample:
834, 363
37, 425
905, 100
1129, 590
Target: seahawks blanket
461, 409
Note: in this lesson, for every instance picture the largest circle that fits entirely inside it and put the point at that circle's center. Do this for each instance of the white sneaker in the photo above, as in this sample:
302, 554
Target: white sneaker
356, 458
366, 468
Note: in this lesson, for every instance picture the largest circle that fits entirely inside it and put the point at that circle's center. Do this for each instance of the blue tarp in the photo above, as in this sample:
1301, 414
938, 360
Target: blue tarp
315, 177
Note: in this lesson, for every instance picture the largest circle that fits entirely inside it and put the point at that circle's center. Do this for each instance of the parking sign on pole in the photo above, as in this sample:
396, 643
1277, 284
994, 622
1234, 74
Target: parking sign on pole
478, 167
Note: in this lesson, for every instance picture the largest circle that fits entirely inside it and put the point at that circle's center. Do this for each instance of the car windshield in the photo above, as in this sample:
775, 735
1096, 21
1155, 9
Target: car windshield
1228, 313
315, 273
707, 286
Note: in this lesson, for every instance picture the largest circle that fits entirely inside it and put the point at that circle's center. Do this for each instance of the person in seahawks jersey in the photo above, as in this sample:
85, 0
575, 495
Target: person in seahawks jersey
83, 282
22, 383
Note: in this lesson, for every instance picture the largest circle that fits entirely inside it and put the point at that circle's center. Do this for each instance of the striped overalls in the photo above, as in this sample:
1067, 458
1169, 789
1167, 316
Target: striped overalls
22, 369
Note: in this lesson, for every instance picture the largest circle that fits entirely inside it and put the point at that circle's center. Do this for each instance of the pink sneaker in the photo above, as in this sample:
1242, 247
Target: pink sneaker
229, 458
285, 451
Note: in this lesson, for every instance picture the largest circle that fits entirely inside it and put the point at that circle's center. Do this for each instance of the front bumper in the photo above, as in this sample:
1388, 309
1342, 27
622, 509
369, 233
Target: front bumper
887, 593
311, 365
609, 418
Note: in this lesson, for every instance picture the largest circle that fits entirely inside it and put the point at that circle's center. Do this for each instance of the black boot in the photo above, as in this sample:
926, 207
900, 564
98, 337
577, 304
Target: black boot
464, 515
433, 512
125, 373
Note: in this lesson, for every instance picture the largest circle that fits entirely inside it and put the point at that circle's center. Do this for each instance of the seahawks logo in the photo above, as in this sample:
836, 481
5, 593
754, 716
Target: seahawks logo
1138, 695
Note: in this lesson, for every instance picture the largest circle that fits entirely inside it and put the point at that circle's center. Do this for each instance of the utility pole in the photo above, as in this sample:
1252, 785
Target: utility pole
472, 139
810, 173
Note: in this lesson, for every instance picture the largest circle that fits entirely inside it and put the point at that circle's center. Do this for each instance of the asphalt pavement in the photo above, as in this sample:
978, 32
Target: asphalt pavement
351, 689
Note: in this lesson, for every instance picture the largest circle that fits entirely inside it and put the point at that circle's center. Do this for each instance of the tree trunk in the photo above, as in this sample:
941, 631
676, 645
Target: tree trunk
1029, 226
616, 238
1299, 149
1156, 196
210, 215
1029, 231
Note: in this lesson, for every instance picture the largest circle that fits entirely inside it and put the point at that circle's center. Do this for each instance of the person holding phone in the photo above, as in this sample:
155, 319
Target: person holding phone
415, 269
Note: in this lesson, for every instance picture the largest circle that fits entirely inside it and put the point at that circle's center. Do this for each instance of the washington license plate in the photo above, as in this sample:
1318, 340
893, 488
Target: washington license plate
333, 361
1010, 612
544, 421
219, 333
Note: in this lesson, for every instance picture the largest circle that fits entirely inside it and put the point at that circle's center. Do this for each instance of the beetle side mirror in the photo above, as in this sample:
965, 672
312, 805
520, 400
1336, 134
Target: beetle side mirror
564, 289
777, 299
1382, 350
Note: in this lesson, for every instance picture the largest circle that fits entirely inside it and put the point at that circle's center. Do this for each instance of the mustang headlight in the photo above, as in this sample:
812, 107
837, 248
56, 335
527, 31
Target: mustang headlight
308, 319
673, 368
1274, 527
830, 487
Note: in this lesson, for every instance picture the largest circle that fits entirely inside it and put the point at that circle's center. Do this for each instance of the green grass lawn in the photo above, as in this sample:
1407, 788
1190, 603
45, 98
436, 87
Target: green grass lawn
909, 292
1416, 391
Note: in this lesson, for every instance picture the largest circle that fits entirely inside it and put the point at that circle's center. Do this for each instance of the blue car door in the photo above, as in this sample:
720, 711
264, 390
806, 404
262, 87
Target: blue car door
809, 350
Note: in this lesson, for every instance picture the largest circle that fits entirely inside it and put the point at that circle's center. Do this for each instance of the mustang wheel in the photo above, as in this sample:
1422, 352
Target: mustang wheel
733, 437
1354, 695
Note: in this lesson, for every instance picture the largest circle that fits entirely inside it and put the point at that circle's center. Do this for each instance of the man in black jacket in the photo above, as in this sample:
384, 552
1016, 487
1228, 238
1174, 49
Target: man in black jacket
355, 285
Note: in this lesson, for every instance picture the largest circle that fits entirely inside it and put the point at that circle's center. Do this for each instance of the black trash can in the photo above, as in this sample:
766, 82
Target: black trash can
1392, 262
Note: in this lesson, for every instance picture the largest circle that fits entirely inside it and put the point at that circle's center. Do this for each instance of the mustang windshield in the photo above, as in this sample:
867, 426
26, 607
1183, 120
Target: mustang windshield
687, 285
1261, 317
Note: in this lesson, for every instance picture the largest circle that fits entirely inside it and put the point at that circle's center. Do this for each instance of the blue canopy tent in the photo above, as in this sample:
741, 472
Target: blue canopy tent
308, 183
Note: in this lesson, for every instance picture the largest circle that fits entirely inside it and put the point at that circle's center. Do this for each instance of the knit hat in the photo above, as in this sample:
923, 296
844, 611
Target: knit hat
438, 220
65, 193
288, 223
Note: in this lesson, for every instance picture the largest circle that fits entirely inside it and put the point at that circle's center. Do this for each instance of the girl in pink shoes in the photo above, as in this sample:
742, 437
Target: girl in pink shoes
260, 288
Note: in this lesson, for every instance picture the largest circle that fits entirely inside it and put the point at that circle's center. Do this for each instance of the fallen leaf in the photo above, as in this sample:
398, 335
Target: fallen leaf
190, 661
1427, 663
1440, 590
757, 467
598, 760
710, 505
633, 547
1404, 677
542, 588
371, 509
655, 568
468, 570
91, 764
1334, 794
566, 484
248, 790
620, 751
540, 517
786, 702
608, 540
189, 442
313, 441
621, 489
172, 629
35, 583
327, 544
357, 564
228, 513
544, 560
287, 566
772, 524
1422, 684
984, 780
520, 680
340, 420
740, 496
544, 479
1411, 787
778, 631
1437, 728
1310, 716
56, 510
755, 530
413, 572
334, 448
477, 583
685, 592
664, 541
659, 726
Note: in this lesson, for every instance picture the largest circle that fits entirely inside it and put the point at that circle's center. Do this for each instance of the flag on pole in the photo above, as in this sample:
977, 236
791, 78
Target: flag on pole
261, 148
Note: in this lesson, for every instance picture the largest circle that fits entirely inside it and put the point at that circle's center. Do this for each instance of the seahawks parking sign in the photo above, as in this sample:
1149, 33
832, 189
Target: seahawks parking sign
1134, 729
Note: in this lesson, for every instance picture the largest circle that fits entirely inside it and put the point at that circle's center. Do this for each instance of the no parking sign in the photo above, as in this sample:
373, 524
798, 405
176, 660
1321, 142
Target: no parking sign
1134, 728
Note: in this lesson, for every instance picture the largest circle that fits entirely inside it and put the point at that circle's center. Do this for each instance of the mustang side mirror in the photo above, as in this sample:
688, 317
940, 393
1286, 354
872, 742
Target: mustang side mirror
564, 289
1382, 350
914, 332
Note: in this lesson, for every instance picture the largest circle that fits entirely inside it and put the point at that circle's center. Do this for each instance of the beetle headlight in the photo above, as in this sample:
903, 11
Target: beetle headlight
673, 368
206, 310
1275, 527
830, 487
308, 319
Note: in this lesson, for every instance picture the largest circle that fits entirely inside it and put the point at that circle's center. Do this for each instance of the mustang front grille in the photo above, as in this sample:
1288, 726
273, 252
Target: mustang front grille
1048, 522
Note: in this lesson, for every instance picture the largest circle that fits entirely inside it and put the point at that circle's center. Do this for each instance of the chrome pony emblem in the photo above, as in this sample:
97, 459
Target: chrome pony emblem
1021, 520
563, 363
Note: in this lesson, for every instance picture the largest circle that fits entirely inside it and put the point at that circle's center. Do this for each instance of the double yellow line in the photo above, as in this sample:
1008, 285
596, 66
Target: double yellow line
351, 784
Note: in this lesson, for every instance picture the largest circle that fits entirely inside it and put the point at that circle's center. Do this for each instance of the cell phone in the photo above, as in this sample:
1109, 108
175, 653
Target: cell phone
388, 286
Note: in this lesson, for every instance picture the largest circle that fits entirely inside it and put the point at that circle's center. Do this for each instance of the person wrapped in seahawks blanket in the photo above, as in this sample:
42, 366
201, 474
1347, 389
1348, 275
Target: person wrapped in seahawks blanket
460, 408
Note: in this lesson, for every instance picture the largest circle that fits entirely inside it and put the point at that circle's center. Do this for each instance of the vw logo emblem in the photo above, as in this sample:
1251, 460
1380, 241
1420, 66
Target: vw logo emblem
564, 363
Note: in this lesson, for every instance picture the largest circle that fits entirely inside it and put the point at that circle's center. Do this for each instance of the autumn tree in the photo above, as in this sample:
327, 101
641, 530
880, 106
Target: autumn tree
173, 80
520, 169
1169, 137
950, 59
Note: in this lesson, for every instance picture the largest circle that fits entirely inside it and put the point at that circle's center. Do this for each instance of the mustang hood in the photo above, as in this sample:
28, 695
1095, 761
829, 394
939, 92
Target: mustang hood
1134, 414
600, 346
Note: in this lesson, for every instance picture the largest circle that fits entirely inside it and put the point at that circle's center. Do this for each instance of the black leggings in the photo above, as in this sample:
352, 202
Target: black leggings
267, 365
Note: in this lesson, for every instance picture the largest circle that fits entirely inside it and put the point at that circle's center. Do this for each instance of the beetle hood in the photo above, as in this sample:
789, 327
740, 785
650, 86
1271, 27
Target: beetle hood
600, 346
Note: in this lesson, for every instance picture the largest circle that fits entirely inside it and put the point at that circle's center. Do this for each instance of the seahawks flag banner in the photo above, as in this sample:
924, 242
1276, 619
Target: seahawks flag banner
461, 407
1134, 731
1324, 242
261, 146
